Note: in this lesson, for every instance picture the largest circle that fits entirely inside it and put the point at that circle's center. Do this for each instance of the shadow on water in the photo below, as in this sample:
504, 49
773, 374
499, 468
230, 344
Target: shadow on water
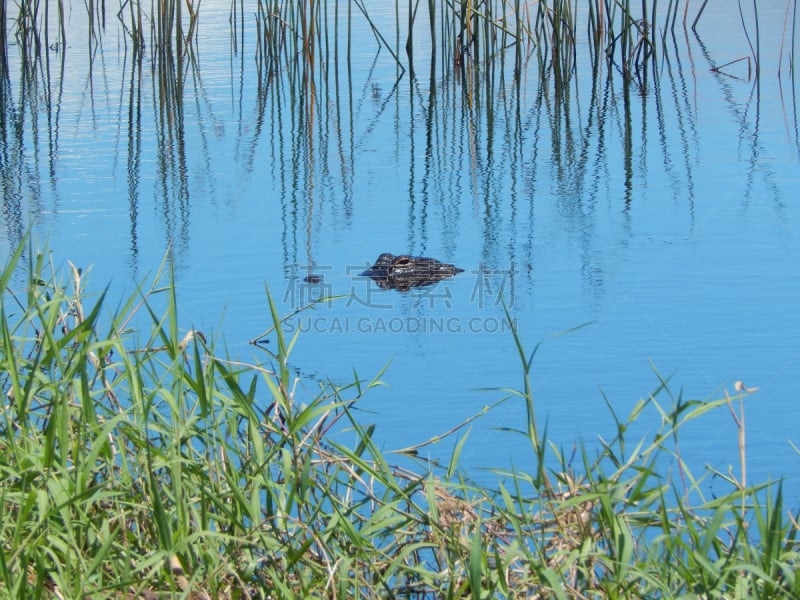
515, 116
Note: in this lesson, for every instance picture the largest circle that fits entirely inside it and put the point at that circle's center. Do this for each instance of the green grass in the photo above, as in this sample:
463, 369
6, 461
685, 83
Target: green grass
138, 459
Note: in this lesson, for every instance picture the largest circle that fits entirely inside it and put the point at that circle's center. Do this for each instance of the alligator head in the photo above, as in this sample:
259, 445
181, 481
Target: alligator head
404, 272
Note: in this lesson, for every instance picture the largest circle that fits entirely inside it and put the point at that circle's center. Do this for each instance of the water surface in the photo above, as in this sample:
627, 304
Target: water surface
663, 217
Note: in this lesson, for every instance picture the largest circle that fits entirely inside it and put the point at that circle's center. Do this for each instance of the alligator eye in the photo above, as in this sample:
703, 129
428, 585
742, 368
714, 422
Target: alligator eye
402, 261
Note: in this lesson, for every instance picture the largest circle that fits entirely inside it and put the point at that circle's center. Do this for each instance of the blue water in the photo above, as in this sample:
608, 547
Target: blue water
663, 219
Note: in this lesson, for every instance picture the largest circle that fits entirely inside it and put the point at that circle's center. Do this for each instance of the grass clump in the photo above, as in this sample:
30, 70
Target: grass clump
137, 462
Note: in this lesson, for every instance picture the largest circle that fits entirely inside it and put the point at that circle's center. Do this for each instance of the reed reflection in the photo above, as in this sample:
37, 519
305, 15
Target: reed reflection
29, 126
134, 153
747, 114
169, 72
500, 127
10, 154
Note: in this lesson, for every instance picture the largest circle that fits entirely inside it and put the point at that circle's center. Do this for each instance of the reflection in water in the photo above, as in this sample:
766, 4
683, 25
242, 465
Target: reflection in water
404, 272
564, 190
29, 125
10, 154
748, 118
510, 145
134, 153
679, 111
169, 76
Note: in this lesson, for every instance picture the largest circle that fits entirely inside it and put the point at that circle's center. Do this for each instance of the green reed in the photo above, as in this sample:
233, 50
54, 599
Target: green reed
139, 461
790, 21
755, 46
134, 25
793, 52
295, 36
479, 32
625, 38
305, 35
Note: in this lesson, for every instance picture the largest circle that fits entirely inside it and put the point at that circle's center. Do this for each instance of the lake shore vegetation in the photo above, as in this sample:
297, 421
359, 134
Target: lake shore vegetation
140, 460
304, 37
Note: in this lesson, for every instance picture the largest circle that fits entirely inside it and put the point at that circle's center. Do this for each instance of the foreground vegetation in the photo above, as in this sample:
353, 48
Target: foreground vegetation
143, 463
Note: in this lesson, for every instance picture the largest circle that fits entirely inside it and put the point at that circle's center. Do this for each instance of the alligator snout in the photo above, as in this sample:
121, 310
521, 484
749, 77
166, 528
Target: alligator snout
404, 272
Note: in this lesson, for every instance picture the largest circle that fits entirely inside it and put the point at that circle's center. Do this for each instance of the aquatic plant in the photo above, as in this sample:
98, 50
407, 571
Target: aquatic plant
138, 460
309, 39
